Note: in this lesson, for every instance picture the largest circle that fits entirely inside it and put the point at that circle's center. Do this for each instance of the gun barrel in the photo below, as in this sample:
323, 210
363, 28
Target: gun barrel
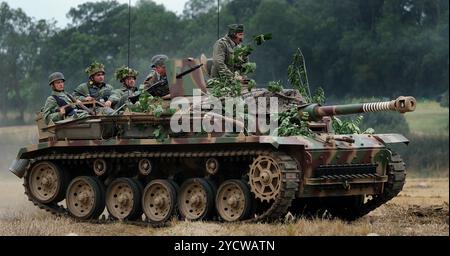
402, 104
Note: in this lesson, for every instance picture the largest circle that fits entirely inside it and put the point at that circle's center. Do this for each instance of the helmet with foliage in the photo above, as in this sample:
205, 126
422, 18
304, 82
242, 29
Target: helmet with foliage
158, 60
94, 68
54, 77
124, 72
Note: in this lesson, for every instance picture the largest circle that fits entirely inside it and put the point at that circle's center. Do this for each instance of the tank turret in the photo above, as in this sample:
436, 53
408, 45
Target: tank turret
402, 104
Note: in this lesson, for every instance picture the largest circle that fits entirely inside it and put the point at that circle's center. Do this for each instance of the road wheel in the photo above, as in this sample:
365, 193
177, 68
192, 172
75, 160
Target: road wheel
233, 200
159, 200
85, 198
196, 199
123, 199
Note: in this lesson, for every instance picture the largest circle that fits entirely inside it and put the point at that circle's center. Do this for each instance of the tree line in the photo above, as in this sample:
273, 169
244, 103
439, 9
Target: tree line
355, 48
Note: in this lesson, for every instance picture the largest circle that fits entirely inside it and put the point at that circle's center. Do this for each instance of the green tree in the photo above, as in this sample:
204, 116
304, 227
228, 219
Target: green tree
21, 40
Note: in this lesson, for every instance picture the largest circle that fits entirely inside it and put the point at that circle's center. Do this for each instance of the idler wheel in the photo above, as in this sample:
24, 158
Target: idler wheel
47, 183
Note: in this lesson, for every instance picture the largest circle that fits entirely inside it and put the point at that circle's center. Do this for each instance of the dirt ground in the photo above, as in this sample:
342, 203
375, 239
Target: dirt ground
420, 209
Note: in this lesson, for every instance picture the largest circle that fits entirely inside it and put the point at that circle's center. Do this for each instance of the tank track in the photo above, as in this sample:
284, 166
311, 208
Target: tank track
289, 186
396, 172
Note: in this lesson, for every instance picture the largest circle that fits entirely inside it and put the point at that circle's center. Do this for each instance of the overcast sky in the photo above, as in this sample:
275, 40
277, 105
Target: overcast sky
57, 9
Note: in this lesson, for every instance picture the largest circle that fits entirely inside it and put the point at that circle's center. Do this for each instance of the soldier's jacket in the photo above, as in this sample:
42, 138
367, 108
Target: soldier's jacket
223, 53
120, 96
103, 91
152, 78
50, 110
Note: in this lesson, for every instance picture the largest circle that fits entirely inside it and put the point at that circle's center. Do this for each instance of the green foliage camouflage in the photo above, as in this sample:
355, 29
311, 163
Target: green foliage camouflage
350, 126
275, 86
297, 75
151, 105
94, 67
224, 87
290, 123
123, 72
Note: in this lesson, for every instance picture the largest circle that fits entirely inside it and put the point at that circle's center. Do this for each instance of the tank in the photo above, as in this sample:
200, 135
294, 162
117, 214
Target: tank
133, 167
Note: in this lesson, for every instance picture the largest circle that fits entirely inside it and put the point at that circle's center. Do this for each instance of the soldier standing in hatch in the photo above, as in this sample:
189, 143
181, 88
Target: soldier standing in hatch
127, 76
96, 88
58, 105
157, 74
223, 63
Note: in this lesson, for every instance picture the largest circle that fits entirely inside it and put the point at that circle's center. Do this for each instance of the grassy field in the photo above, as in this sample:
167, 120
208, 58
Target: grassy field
420, 209
428, 118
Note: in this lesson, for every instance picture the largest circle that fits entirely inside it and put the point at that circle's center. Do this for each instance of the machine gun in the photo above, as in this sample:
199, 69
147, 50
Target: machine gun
160, 88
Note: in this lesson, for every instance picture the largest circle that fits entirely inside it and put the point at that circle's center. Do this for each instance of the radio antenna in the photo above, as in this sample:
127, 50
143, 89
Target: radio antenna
218, 18
129, 30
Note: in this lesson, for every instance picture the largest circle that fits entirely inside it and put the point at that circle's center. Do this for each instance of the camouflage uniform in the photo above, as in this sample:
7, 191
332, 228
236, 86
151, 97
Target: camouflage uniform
223, 54
120, 96
51, 108
100, 93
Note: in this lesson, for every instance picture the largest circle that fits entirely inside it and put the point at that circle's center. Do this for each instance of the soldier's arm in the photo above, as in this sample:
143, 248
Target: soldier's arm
51, 110
115, 97
79, 91
219, 59
107, 92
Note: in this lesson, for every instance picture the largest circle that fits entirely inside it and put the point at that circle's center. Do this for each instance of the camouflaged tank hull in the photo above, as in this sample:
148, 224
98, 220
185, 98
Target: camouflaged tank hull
131, 167
229, 177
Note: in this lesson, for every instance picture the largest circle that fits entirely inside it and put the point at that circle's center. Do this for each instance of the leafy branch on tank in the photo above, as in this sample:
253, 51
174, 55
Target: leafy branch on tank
275, 86
290, 123
152, 105
225, 87
350, 126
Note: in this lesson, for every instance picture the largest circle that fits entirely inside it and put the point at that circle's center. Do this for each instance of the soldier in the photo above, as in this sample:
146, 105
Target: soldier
157, 75
59, 104
96, 88
223, 63
127, 76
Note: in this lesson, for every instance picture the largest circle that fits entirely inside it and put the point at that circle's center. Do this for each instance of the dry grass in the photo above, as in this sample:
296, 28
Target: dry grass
421, 209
